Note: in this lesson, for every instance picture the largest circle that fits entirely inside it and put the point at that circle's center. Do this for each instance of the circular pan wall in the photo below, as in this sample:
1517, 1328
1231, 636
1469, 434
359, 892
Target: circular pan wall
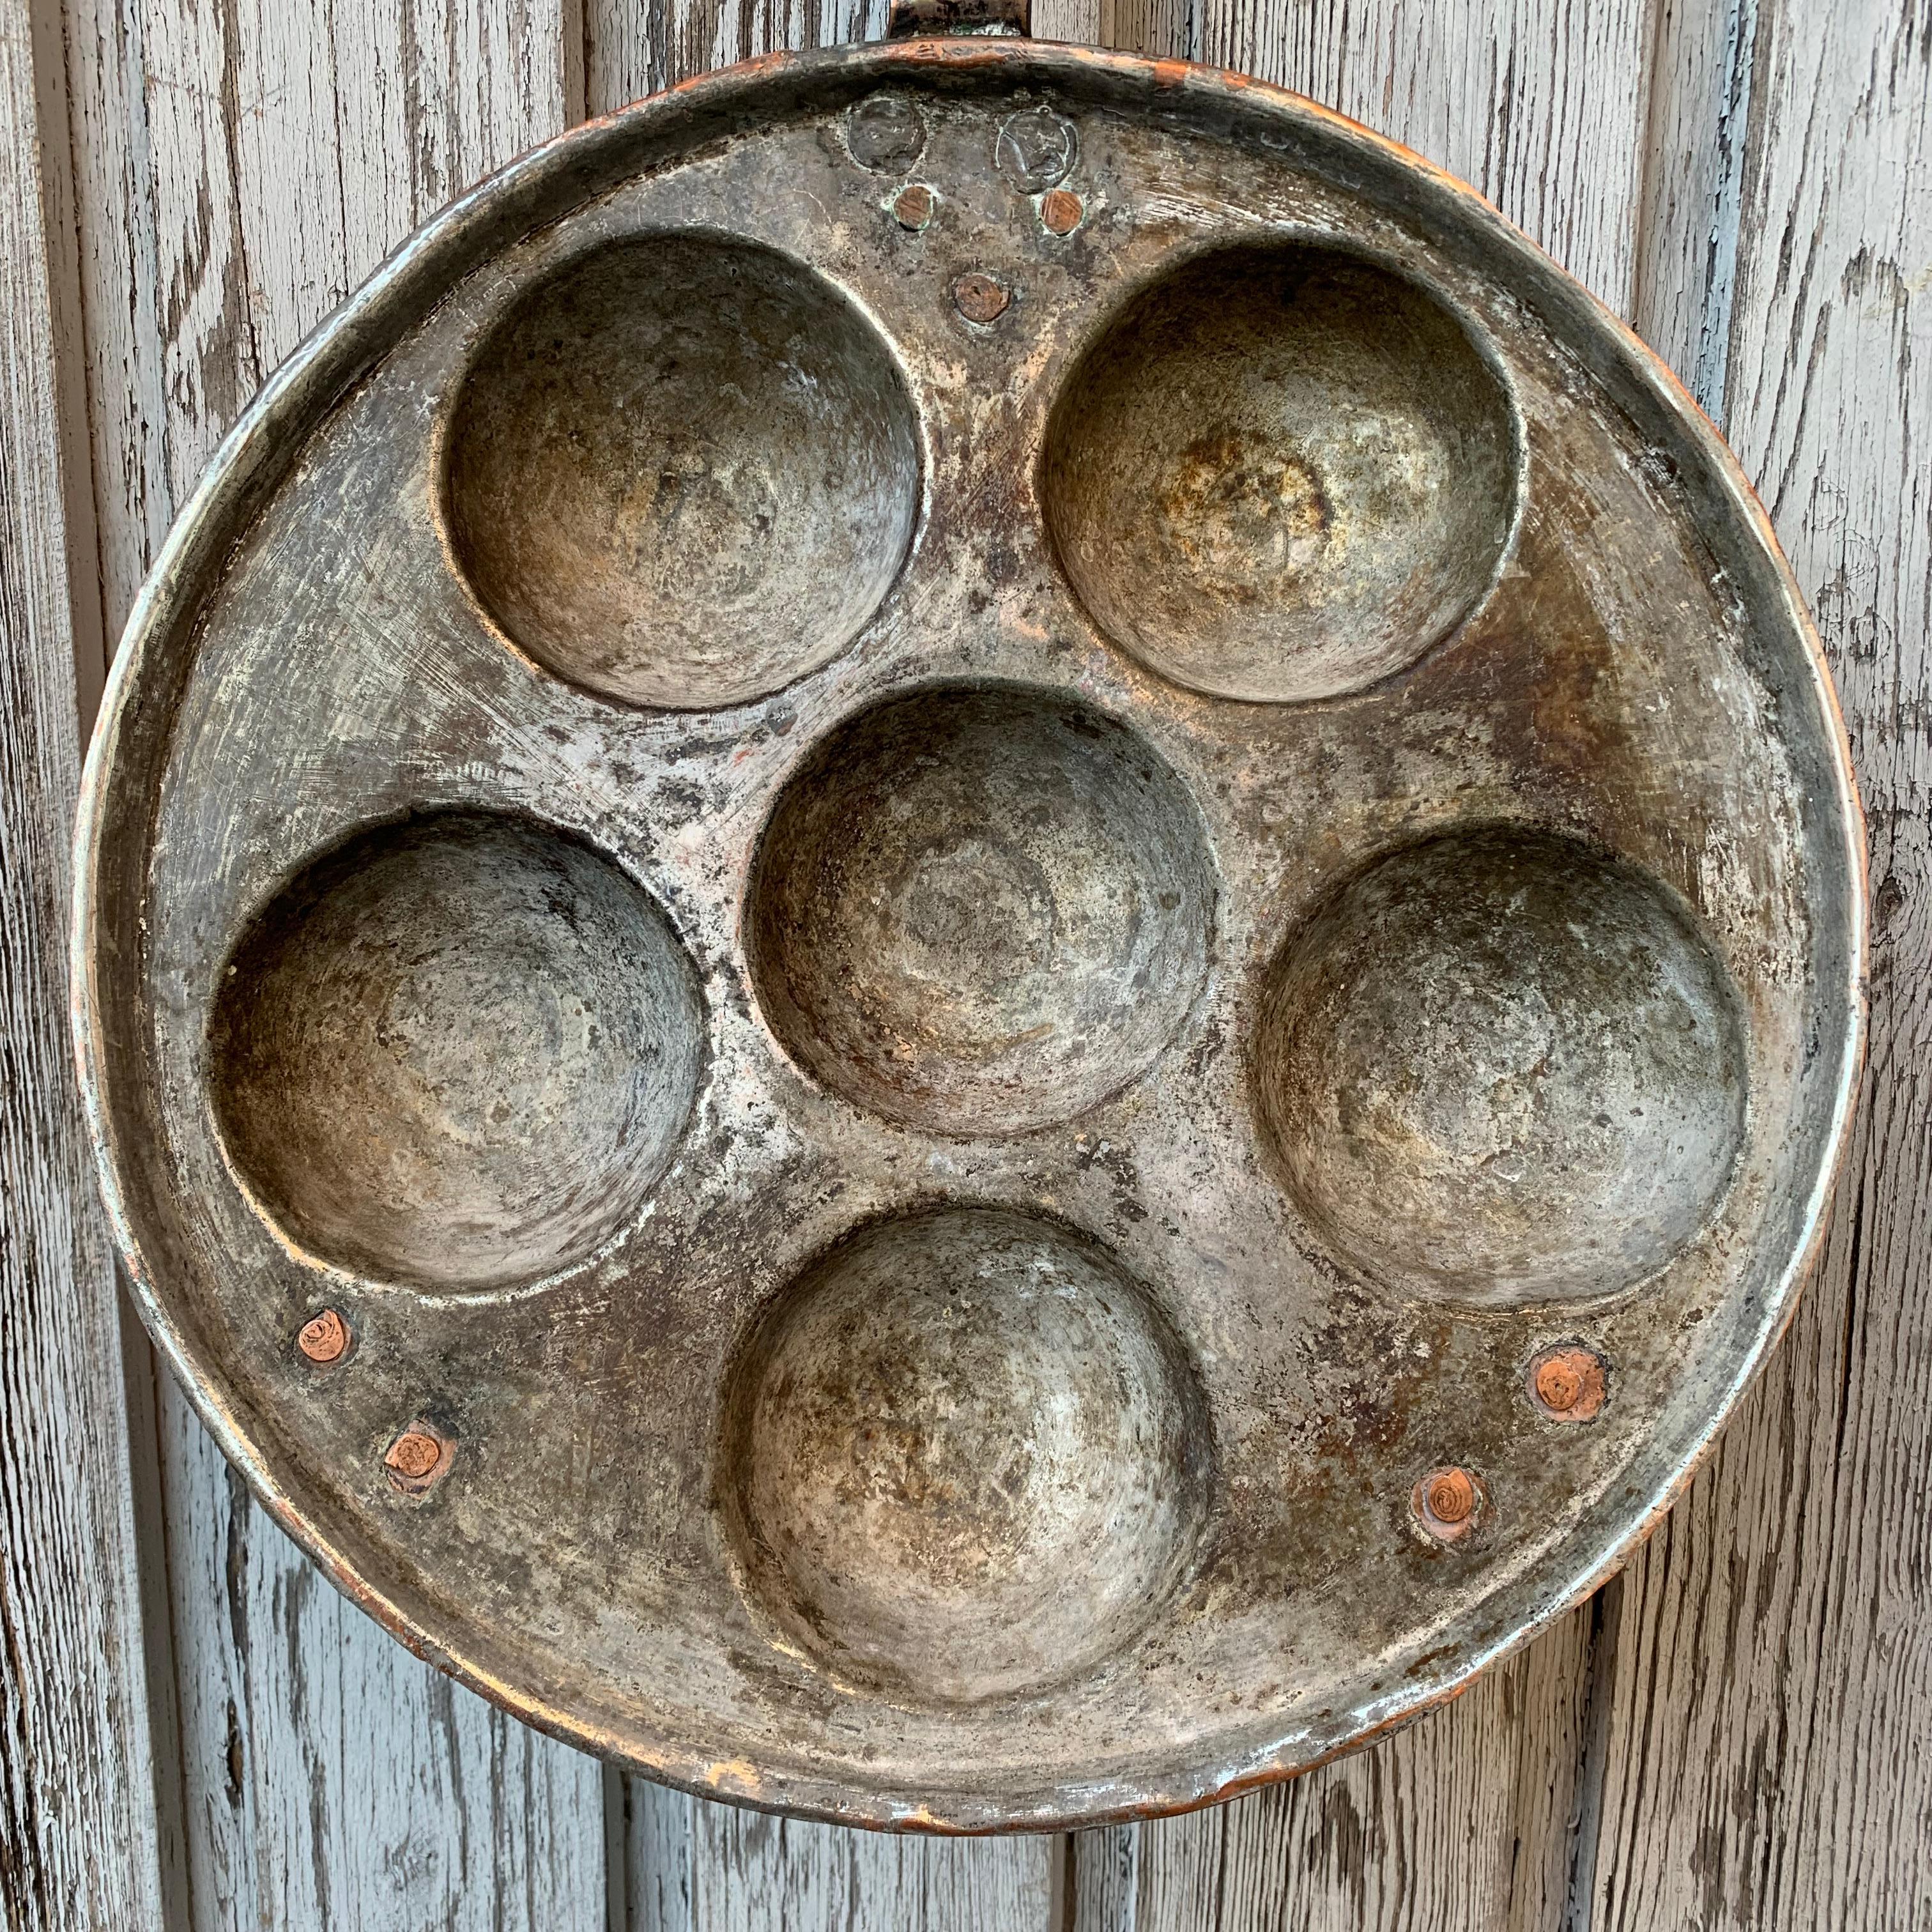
948, 1416
456, 1052
1280, 473
790, 1742
683, 471
980, 909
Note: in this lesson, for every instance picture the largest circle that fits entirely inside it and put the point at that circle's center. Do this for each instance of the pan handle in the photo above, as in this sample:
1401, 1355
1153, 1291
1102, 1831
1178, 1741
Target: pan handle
908, 18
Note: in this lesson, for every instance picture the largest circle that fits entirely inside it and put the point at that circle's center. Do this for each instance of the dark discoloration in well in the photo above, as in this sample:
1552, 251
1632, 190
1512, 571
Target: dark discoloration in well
1280, 473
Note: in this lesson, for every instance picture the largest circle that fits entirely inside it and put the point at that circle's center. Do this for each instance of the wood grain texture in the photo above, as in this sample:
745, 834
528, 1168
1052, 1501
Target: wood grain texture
241, 167
1692, 188
1768, 1766
1473, 1817
78, 1843
696, 1866
1540, 103
635, 47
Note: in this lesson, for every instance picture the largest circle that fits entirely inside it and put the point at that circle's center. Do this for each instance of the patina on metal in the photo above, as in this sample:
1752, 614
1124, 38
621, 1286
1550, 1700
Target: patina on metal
970, 939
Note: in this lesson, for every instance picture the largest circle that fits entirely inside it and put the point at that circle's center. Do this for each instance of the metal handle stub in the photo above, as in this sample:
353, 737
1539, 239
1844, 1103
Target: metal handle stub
906, 18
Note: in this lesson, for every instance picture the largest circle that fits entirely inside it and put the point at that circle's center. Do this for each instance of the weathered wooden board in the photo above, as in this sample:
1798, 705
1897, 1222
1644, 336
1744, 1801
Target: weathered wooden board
691, 1865
1479, 1815
1540, 103
240, 168
635, 47
1728, 1738
1476, 1817
1688, 226
1768, 1765
77, 1840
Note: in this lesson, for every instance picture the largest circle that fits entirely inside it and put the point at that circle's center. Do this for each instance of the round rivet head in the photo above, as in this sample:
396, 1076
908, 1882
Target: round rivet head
1061, 211
980, 298
418, 1458
1568, 1384
323, 1338
1559, 1384
912, 208
884, 133
1035, 149
1446, 1502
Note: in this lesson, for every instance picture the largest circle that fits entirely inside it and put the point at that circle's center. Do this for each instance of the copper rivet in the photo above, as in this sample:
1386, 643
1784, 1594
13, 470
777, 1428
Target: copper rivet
1451, 1496
980, 298
323, 1338
1568, 1384
913, 208
1446, 1502
416, 1458
1061, 210
1559, 1384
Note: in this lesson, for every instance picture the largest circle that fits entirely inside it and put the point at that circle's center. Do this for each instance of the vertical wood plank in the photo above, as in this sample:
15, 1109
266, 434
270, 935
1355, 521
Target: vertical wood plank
1070, 20
78, 1845
241, 166
1692, 190
1481, 1815
696, 1866
692, 1865
635, 47
120, 296
1768, 1765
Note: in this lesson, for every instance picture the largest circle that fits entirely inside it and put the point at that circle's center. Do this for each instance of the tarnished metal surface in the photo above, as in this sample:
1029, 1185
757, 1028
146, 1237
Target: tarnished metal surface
971, 938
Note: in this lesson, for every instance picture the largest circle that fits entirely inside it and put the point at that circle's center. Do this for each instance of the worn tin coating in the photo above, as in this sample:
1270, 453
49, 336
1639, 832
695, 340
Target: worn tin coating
960, 996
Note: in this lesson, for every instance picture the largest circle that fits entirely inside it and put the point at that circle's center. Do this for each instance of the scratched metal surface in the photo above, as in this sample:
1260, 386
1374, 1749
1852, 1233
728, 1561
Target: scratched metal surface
741, 1224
